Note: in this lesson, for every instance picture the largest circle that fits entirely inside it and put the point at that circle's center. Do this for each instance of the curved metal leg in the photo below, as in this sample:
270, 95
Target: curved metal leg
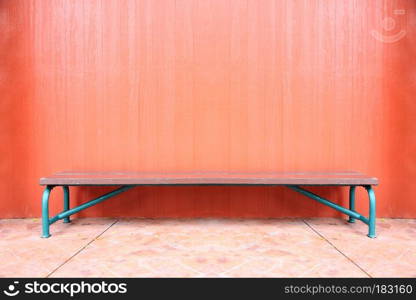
372, 212
45, 211
370, 221
352, 203
46, 221
66, 202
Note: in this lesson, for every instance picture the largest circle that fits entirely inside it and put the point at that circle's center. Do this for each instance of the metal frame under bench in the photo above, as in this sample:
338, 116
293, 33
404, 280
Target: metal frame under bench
129, 180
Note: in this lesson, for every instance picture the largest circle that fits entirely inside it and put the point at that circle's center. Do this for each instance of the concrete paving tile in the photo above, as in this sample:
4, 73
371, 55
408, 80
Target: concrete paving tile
209, 248
23, 253
391, 254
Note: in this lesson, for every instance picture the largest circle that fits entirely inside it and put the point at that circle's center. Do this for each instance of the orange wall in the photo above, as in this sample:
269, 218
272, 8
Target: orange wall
207, 85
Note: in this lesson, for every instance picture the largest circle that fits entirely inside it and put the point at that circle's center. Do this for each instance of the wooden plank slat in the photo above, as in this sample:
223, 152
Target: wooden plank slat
202, 177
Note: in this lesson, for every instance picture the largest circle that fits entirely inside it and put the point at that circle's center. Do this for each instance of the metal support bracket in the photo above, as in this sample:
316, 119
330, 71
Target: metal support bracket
46, 221
67, 212
370, 221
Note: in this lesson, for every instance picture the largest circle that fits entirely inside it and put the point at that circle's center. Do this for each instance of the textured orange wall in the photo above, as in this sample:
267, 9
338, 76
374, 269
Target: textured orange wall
207, 85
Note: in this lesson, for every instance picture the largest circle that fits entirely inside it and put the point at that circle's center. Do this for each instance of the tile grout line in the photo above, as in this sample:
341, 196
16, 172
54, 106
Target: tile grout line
82, 248
343, 254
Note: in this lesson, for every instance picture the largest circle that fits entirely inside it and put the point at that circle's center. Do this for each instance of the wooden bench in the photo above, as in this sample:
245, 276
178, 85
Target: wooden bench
128, 180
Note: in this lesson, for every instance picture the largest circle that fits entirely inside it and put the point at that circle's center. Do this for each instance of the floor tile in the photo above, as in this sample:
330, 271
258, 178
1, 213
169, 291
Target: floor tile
24, 254
391, 254
209, 248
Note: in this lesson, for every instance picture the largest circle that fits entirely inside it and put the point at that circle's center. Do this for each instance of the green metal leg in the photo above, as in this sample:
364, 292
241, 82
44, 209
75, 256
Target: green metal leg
352, 203
370, 221
66, 202
64, 215
372, 210
45, 211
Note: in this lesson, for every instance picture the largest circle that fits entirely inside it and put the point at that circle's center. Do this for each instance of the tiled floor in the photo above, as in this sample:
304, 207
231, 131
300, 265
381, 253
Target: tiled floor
208, 248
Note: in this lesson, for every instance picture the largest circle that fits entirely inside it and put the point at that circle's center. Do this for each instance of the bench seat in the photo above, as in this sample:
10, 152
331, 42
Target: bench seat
210, 178
129, 180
